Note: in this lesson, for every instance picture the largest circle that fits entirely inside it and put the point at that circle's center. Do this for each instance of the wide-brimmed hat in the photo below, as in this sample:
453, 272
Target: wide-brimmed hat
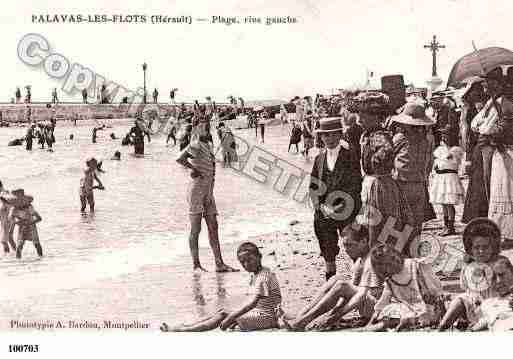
413, 115
18, 198
330, 124
471, 84
481, 226
495, 74
372, 102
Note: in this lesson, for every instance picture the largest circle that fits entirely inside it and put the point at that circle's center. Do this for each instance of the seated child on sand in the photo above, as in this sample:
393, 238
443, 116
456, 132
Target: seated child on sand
338, 296
481, 241
496, 313
259, 312
410, 295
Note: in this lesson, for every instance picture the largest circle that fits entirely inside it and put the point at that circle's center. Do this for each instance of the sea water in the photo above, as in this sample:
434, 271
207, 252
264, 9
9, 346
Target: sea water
141, 218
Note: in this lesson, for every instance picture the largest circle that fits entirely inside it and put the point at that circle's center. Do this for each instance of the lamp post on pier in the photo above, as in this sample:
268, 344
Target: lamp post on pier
144, 67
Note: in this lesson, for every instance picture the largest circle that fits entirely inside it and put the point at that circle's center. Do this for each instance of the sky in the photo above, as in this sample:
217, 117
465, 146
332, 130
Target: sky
332, 45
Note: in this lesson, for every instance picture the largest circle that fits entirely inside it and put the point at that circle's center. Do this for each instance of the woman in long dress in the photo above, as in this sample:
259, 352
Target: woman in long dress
477, 199
501, 180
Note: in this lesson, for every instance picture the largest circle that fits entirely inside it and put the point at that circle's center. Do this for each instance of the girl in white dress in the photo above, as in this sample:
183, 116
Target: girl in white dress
411, 294
446, 188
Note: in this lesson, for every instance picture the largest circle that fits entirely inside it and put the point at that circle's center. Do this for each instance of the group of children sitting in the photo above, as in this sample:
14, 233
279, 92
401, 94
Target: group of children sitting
388, 290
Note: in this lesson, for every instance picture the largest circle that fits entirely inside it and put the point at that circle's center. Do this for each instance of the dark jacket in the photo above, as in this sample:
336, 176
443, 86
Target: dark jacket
346, 177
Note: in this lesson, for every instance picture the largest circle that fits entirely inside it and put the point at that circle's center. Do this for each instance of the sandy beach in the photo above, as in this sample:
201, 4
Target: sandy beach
150, 289
173, 294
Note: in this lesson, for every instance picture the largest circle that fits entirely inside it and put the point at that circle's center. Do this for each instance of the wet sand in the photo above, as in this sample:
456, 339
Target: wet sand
170, 292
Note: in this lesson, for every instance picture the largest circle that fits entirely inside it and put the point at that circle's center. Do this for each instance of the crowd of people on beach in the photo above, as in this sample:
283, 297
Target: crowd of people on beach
373, 185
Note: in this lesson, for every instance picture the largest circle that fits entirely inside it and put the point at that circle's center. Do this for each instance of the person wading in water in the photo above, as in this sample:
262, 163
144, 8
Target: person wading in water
199, 157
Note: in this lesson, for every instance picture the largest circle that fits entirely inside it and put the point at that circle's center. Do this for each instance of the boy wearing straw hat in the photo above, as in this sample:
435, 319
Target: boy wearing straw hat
335, 187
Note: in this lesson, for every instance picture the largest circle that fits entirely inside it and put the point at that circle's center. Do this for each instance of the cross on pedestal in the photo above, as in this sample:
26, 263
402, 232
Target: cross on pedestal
434, 46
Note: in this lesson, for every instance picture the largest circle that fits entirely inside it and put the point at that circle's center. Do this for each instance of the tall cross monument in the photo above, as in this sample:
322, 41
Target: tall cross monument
434, 82
434, 46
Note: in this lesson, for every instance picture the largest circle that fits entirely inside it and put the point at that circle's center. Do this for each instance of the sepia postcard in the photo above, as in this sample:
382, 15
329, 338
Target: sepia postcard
264, 167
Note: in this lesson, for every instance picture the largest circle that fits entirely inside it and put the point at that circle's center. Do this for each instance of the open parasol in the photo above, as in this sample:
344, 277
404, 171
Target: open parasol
475, 63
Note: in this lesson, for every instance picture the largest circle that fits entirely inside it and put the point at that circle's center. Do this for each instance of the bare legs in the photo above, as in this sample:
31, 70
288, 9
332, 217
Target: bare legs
193, 241
455, 311
333, 291
10, 242
206, 324
213, 238
87, 199
37, 245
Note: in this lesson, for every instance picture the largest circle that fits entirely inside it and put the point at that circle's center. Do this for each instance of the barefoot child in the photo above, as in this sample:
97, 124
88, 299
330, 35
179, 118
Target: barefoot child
87, 184
259, 312
338, 292
410, 293
6, 225
496, 313
481, 241
25, 217
446, 188
198, 156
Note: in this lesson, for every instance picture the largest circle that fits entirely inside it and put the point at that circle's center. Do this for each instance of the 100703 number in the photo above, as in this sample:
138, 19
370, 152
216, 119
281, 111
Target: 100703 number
13, 348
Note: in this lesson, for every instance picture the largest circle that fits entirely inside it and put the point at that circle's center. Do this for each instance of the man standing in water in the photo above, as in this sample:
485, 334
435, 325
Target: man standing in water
199, 157
29, 136
137, 134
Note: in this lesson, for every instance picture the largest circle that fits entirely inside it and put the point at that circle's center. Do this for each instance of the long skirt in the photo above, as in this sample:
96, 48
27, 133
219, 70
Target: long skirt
417, 198
384, 204
477, 198
429, 211
501, 192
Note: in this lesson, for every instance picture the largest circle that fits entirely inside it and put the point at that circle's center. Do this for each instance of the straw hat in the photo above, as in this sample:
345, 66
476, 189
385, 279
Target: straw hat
372, 102
413, 115
18, 198
495, 74
330, 124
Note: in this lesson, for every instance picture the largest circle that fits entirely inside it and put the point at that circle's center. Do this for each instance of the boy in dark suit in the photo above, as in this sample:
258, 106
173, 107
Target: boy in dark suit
335, 190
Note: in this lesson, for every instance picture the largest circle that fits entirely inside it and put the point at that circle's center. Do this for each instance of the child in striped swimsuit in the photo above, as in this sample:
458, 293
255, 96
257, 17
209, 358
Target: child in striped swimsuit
259, 312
